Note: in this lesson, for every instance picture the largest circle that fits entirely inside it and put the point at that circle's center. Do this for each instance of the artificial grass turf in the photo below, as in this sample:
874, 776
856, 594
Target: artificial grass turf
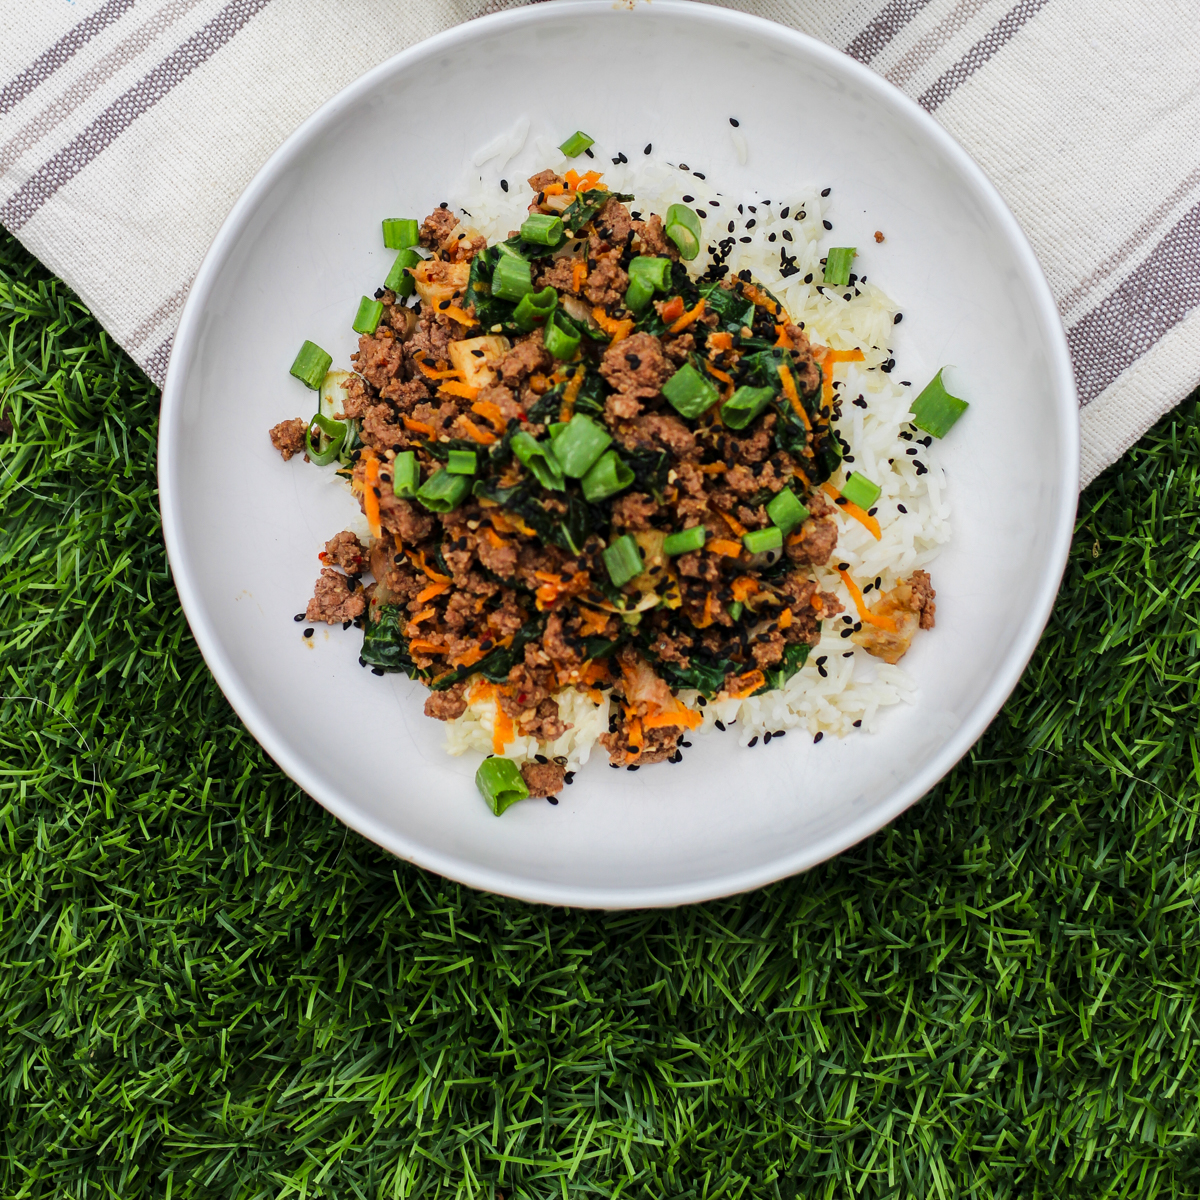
210, 988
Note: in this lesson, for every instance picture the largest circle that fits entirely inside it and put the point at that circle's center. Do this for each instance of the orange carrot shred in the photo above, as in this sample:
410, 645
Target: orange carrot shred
718, 374
735, 526
490, 412
686, 717
748, 684
851, 510
672, 309
553, 189
579, 274
744, 586
720, 341
789, 390
690, 316
423, 646
423, 615
454, 388
724, 546
502, 730
427, 594
757, 296
570, 395
482, 436
430, 373
459, 315
572, 178
785, 618
419, 427
370, 499
864, 613
614, 328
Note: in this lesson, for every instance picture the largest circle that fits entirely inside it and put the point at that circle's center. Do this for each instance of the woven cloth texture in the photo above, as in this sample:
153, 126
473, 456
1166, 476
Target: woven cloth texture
128, 128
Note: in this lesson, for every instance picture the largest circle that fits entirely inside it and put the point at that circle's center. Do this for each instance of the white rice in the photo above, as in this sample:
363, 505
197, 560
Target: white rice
841, 688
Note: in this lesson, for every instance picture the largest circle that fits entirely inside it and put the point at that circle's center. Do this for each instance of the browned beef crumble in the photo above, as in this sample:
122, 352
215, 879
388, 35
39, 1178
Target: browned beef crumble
346, 551
334, 600
543, 779
288, 437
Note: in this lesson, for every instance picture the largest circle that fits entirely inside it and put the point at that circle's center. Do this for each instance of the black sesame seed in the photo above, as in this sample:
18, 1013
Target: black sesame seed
901, 508
615, 766
767, 738
912, 450
701, 213
616, 161
828, 225
857, 724
588, 152
734, 122
720, 725
541, 758
701, 701
362, 662
688, 745
649, 147
826, 191
308, 632
745, 239
298, 617
346, 624
688, 199
552, 799
847, 632
897, 318
770, 237
787, 235
684, 167
376, 670
818, 738
631, 768
808, 279
504, 185
753, 741
698, 175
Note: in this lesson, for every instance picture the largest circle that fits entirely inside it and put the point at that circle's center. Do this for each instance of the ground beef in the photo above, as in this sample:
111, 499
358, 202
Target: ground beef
751, 449
658, 432
358, 398
334, 600
379, 359
654, 239
559, 275
437, 228
614, 221
500, 559
526, 357
620, 407
633, 511
923, 594
345, 551
433, 335
543, 179
529, 687
543, 779
658, 744
380, 429
606, 282
816, 542
767, 649
670, 648
559, 649
544, 722
679, 347
503, 399
288, 437
508, 617
409, 523
405, 394
636, 366
448, 705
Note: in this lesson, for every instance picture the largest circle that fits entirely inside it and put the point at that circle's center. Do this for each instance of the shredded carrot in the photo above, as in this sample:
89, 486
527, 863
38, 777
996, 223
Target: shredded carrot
589, 181
458, 314
864, 613
419, 427
595, 670
465, 390
841, 356
430, 373
570, 395
493, 537
817, 604
502, 730
717, 468
423, 615
553, 189
748, 684
690, 316
418, 560
686, 717
370, 496
489, 412
427, 594
579, 274
789, 390
614, 328
720, 341
572, 178
744, 586
592, 621
423, 646
469, 659
595, 695
724, 546
757, 296
828, 359
735, 526
781, 337
637, 738
672, 309
852, 510
706, 617
800, 475
718, 374
482, 436
785, 618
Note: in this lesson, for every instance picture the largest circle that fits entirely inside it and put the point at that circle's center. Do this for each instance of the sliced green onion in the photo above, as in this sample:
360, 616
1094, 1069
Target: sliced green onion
734, 610
934, 410
443, 491
311, 364
560, 343
501, 784
607, 477
334, 431
745, 404
461, 462
623, 560
370, 313
579, 445
401, 232
655, 271
858, 489
685, 541
758, 540
683, 228
398, 279
511, 279
576, 144
543, 228
406, 475
535, 309
539, 459
786, 511
555, 428
638, 294
837, 265
689, 392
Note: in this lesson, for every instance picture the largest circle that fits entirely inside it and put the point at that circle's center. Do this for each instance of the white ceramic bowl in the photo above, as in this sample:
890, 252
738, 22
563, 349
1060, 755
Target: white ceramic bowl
302, 244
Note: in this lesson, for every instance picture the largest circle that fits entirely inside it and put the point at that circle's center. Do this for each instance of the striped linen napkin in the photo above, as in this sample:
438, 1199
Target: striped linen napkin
128, 128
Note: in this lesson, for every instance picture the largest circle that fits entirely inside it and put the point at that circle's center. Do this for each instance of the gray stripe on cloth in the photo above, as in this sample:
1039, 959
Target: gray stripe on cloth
930, 43
985, 48
122, 113
1153, 299
883, 28
61, 107
172, 306
156, 365
60, 53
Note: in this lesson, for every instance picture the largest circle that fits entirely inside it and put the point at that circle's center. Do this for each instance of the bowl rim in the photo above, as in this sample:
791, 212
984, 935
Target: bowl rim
799, 859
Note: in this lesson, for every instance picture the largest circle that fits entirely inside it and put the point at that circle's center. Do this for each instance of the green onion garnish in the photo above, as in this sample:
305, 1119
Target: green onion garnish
556, 339
576, 144
370, 313
443, 491
685, 541
311, 364
501, 784
734, 610
758, 540
461, 462
934, 410
555, 428
745, 404
401, 232
535, 309
539, 460
579, 445
607, 477
406, 475
398, 279
543, 228
331, 432
511, 279
786, 511
858, 489
689, 392
656, 271
638, 294
683, 228
623, 560
837, 265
